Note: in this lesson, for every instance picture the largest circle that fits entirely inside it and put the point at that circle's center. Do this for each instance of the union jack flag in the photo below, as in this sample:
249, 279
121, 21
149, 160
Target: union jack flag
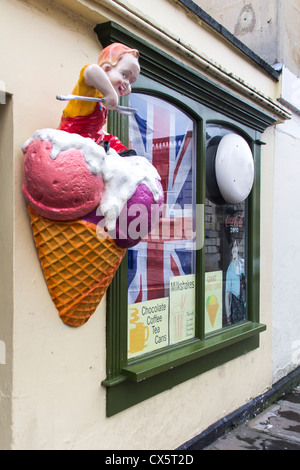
164, 135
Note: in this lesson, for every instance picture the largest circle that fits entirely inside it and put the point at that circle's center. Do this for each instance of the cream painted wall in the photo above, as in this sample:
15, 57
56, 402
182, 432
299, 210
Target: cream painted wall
57, 399
53, 366
6, 271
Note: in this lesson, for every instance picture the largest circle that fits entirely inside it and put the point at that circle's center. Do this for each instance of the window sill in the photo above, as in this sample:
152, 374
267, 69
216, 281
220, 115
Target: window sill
146, 367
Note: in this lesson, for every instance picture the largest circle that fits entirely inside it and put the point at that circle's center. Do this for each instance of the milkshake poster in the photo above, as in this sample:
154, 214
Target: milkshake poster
182, 308
213, 301
148, 326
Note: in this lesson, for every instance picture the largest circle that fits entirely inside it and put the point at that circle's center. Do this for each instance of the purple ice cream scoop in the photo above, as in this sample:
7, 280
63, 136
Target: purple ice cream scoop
138, 217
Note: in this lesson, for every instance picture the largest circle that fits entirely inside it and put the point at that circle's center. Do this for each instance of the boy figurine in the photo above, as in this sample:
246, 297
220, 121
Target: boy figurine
117, 69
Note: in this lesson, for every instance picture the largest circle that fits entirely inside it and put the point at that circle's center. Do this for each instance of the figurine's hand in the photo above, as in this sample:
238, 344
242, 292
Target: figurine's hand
111, 100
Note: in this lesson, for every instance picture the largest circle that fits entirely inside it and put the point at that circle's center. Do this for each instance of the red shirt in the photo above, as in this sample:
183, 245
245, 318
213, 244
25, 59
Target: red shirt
91, 126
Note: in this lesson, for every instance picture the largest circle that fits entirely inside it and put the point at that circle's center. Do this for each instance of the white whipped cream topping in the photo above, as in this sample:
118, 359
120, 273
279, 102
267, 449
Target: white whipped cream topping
121, 175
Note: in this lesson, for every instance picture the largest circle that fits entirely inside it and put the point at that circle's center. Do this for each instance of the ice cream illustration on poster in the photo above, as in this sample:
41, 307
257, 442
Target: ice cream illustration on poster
213, 301
182, 308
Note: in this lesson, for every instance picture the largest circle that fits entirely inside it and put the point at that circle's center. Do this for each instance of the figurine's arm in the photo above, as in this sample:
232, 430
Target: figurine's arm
95, 76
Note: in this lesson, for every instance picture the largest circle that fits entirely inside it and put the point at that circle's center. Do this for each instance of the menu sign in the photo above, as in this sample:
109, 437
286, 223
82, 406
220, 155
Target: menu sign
213, 301
182, 308
148, 326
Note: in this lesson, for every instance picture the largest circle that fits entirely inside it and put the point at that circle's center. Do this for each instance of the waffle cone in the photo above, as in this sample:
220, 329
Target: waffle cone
78, 265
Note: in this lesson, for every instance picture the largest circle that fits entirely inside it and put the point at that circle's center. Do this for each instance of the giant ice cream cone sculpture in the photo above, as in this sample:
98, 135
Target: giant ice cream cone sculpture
66, 178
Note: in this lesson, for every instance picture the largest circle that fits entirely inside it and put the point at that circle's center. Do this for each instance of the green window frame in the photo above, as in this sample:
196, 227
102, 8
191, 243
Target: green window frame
130, 382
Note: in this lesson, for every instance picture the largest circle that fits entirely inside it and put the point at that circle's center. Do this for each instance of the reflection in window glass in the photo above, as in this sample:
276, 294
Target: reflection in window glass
161, 268
225, 259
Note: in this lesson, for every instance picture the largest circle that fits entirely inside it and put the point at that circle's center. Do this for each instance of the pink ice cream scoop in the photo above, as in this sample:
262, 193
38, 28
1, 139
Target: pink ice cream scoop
64, 178
62, 188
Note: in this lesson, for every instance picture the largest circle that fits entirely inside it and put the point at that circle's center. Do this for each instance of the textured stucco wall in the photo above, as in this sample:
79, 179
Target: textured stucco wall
269, 27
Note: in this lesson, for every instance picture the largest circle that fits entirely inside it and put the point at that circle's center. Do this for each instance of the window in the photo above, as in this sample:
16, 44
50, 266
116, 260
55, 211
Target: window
161, 268
226, 250
180, 112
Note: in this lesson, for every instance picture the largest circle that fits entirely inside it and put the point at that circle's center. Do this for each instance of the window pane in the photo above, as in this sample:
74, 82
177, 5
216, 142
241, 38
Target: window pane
161, 268
225, 259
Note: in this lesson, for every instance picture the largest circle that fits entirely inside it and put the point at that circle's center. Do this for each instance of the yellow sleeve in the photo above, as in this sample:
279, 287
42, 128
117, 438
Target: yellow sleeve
82, 108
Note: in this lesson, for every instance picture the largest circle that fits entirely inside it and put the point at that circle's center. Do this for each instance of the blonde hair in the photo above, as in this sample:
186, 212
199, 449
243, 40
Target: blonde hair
113, 53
